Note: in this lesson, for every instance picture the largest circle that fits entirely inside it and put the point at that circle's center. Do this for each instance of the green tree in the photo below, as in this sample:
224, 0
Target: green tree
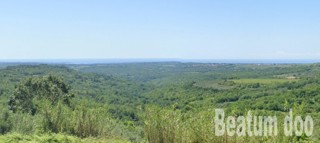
36, 89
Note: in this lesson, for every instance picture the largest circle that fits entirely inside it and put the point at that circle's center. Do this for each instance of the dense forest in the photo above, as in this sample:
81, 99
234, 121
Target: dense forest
161, 102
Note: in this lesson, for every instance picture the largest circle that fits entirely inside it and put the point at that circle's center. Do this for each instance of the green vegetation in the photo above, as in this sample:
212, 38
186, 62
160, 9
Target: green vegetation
38, 89
150, 102
262, 81
53, 138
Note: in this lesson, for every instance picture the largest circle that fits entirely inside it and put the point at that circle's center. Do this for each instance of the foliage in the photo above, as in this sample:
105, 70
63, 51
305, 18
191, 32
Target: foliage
35, 89
149, 102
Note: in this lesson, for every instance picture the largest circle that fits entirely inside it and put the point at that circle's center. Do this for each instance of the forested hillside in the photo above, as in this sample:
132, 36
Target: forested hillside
150, 102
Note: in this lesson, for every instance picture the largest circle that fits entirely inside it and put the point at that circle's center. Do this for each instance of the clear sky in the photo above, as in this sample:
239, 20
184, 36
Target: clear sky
187, 29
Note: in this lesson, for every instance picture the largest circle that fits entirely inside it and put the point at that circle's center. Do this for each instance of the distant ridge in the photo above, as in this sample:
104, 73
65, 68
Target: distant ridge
110, 61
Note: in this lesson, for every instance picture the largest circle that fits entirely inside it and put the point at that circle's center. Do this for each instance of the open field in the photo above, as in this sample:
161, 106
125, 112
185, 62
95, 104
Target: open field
262, 81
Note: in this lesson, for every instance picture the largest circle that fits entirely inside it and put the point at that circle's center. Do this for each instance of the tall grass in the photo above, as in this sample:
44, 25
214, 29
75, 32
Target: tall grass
84, 120
172, 126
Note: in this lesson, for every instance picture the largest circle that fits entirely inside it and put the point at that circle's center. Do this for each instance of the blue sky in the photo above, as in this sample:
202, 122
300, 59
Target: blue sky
202, 29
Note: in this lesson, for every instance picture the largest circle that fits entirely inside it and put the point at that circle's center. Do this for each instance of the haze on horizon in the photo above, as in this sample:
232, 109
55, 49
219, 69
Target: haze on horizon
182, 29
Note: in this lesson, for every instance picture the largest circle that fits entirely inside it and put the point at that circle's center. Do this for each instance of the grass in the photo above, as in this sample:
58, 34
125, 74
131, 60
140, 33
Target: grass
213, 84
230, 84
53, 138
262, 80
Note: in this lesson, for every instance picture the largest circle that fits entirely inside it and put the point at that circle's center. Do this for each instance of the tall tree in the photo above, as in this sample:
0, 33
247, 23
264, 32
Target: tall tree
35, 89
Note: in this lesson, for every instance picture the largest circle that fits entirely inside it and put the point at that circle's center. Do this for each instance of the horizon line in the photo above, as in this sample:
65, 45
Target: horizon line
148, 60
